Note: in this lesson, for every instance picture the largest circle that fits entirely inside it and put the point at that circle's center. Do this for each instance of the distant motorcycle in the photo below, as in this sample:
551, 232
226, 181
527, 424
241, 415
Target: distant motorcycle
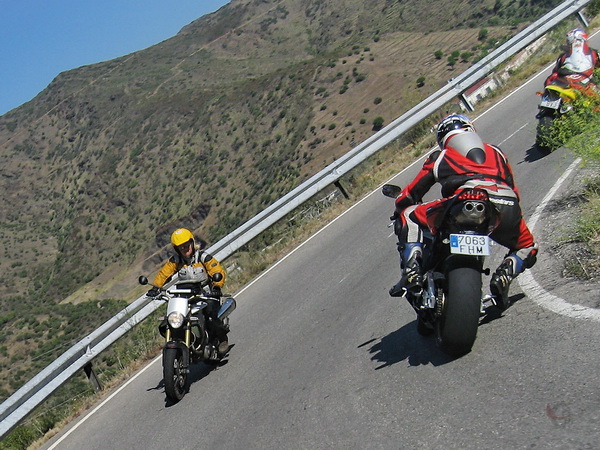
193, 312
558, 98
450, 303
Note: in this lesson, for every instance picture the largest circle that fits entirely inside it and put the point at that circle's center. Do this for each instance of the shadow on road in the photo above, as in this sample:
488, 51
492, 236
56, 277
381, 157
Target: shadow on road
496, 314
197, 373
533, 154
406, 344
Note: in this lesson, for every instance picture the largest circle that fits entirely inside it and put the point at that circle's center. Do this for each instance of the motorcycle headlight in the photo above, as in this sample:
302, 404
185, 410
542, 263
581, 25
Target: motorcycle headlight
175, 319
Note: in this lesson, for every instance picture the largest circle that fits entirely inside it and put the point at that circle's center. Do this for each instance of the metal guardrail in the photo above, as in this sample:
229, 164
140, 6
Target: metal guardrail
35, 391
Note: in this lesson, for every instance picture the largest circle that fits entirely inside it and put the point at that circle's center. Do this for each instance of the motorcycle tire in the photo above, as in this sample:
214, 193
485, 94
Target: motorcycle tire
543, 136
423, 328
456, 329
174, 374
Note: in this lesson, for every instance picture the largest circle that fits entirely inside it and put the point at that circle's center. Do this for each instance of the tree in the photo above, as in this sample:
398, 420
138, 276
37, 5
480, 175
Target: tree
438, 54
465, 56
420, 81
378, 123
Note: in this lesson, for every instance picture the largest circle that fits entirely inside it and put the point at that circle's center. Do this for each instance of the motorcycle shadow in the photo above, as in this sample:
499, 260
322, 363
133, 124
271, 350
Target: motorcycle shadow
406, 344
535, 153
495, 314
198, 371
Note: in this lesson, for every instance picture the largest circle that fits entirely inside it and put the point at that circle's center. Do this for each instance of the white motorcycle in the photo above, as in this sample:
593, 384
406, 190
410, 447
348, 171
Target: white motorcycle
194, 325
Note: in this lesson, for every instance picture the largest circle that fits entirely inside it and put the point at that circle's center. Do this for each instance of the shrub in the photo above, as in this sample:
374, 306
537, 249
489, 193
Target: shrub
378, 123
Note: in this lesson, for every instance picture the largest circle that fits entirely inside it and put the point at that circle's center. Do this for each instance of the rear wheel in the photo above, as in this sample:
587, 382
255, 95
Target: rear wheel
424, 328
174, 374
456, 329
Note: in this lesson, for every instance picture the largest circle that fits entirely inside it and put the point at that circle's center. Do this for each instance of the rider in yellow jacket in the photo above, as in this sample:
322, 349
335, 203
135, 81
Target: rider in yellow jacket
186, 254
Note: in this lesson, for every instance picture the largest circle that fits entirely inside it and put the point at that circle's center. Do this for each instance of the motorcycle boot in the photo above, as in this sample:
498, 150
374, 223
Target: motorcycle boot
412, 279
501, 279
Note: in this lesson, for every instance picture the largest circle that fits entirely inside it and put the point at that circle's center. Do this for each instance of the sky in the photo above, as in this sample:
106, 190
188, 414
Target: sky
42, 38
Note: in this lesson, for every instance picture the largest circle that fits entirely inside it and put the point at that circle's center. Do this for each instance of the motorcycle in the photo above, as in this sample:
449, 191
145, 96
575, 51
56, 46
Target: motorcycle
450, 303
194, 318
557, 99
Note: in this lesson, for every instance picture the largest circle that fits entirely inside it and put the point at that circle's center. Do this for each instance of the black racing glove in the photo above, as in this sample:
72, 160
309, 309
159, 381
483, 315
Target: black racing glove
153, 292
216, 292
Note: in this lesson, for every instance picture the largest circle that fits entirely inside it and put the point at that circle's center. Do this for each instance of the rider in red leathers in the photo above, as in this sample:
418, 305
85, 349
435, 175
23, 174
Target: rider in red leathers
463, 161
579, 57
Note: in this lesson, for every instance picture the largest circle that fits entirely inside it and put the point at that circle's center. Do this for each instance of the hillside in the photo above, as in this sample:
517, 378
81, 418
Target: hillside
204, 130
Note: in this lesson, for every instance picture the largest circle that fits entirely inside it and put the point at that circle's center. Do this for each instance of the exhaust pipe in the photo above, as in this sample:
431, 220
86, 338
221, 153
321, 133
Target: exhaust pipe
226, 308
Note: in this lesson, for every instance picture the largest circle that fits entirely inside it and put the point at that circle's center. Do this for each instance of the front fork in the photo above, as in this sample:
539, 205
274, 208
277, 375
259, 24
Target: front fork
187, 336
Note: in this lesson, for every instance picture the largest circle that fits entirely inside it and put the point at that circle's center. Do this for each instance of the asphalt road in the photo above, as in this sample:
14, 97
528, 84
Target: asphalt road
323, 358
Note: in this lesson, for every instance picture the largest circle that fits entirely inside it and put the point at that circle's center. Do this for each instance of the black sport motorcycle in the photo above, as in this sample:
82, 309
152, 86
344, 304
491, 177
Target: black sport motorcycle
195, 319
450, 303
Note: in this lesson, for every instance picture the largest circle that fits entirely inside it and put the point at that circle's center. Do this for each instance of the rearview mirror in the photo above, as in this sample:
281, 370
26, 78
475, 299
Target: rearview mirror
391, 190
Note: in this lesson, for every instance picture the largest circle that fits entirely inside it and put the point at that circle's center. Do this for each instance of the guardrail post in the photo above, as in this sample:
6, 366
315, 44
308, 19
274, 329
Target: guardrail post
338, 185
467, 103
582, 19
89, 371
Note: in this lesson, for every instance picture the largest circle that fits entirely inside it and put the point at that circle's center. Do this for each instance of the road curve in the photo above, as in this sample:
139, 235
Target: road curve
323, 358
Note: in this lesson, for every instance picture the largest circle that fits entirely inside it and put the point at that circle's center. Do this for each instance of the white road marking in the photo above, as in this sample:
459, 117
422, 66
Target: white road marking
533, 290
106, 400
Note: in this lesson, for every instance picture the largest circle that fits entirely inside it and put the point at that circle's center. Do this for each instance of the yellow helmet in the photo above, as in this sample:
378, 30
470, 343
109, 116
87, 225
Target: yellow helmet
181, 236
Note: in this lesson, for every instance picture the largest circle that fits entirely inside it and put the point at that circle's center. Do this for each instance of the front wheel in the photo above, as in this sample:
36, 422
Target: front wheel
174, 374
456, 328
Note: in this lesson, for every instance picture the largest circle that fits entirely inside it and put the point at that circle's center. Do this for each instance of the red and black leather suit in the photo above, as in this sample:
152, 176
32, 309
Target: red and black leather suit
466, 162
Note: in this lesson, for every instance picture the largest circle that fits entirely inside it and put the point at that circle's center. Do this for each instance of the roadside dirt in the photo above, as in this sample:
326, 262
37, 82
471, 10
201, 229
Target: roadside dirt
567, 266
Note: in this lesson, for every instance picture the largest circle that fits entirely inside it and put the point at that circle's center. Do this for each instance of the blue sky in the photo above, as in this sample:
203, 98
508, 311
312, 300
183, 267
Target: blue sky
42, 38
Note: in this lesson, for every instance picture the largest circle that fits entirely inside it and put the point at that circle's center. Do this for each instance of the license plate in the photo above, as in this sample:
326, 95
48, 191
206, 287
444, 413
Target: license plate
552, 104
469, 244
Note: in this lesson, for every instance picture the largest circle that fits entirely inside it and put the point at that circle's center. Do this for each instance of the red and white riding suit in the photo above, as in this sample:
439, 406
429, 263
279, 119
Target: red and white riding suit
466, 162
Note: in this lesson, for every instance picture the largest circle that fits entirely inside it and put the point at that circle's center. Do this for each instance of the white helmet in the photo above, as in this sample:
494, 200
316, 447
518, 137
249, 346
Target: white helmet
451, 125
576, 35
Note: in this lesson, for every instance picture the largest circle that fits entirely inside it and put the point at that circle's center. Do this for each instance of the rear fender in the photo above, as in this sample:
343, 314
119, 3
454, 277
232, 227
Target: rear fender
566, 93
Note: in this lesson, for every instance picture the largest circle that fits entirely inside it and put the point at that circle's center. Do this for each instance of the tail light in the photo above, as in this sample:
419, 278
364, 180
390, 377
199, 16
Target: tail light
474, 194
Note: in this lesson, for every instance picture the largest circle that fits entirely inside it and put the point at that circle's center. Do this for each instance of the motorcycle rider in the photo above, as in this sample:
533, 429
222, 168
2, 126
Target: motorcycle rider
578, 58
186, 254
463, 161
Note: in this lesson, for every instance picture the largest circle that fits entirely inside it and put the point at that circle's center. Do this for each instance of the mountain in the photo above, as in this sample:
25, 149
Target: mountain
206, 129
